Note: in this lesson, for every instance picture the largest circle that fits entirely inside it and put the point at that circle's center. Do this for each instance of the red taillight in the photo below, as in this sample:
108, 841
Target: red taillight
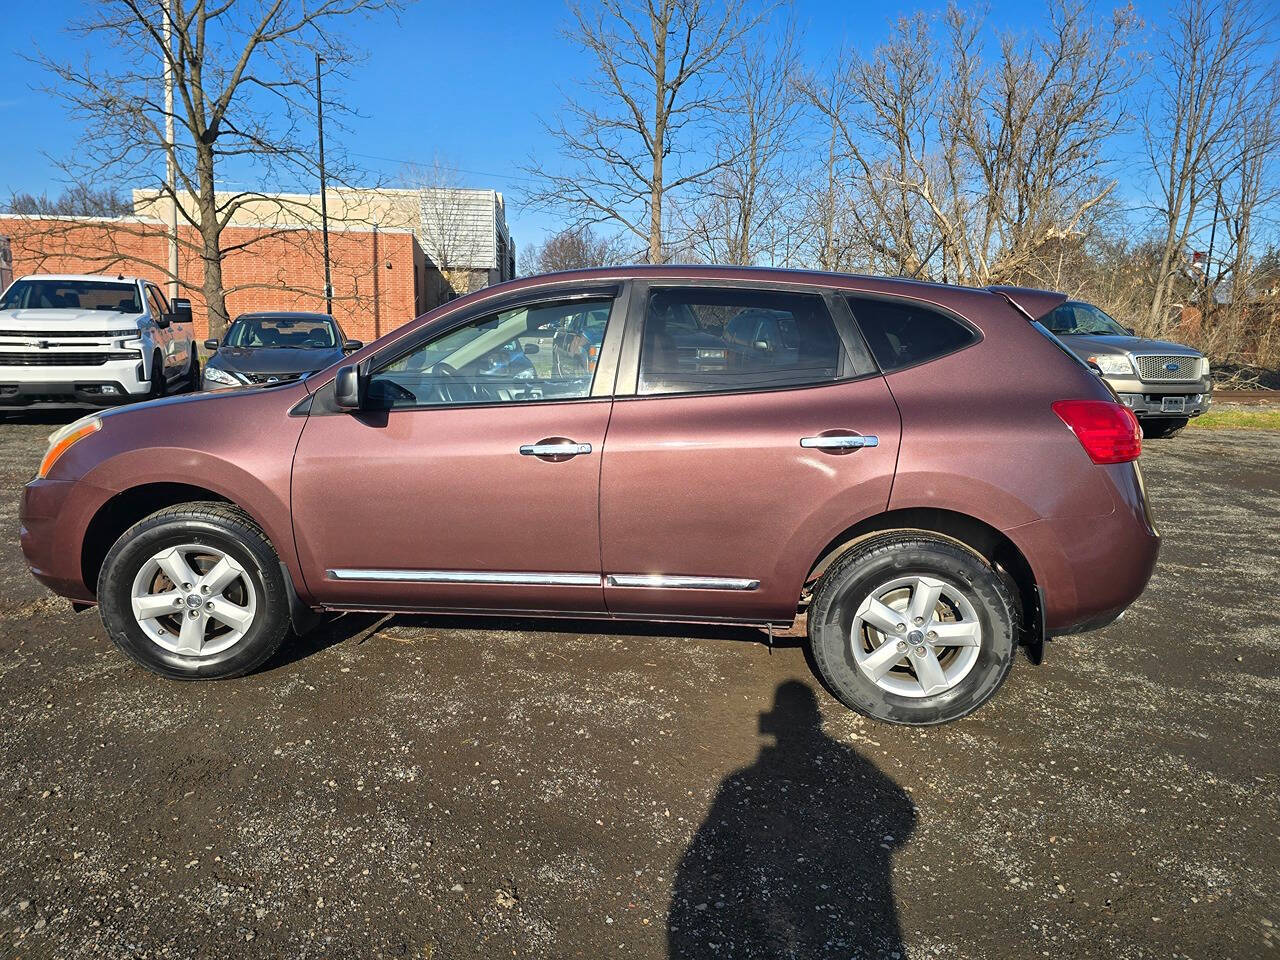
1109, 432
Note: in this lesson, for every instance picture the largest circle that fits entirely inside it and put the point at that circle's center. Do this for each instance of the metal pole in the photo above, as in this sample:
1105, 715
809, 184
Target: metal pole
171, 168
324, 204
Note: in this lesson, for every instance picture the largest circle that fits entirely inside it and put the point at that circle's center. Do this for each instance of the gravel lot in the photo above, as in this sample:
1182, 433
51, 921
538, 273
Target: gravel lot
435, 788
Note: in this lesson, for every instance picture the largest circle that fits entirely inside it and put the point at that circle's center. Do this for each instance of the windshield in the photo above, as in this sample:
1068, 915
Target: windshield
1074, 317
43, 294
302, 333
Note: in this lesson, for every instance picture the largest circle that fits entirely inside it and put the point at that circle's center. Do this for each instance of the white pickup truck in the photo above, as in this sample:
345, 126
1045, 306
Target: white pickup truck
76, 340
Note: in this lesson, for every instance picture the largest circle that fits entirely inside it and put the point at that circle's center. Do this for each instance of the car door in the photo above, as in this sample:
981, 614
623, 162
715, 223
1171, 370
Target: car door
168, 336
471, 482
722, 483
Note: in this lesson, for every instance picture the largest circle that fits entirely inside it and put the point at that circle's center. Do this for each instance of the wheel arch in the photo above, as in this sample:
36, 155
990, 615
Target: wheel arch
977, 535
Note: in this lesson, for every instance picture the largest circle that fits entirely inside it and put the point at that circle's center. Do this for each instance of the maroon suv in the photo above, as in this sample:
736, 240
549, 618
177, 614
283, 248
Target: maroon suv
921, 472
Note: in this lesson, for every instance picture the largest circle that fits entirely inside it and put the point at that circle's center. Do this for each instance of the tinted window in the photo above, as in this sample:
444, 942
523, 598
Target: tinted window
507, 357
72, 295
701, 341
157, 302
309, 333
901, 334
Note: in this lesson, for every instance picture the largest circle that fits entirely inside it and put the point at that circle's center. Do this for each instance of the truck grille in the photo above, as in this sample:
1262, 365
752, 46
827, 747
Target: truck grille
65, 334
1154, 368
63, 358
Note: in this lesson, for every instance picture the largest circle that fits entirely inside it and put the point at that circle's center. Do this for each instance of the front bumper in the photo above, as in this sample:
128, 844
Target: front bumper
105, 384
1161, 399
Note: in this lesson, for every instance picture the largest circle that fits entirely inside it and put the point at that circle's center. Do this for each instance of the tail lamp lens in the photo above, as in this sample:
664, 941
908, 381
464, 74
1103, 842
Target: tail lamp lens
1109, 432
61, 440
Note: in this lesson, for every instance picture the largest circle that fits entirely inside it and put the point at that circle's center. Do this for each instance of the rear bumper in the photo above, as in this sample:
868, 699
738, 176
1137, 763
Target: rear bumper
1090, 569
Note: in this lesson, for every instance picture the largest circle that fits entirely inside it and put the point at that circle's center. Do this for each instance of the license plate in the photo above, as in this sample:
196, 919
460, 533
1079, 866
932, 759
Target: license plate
1173, 404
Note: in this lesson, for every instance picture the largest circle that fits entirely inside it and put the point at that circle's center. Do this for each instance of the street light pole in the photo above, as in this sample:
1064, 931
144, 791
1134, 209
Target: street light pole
324, 205
171, 171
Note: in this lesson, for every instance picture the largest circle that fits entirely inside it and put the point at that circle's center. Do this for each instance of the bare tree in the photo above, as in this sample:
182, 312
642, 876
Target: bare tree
445, 229
76, 201
745, 212
1207, 73
574, 248
242, 73
959, 170
631, 142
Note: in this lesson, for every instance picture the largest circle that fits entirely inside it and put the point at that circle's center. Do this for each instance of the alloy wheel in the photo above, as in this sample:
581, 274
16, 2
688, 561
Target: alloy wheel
194, 600
916, 636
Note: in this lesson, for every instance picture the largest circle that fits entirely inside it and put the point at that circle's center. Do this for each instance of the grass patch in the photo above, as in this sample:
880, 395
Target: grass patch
1238, 420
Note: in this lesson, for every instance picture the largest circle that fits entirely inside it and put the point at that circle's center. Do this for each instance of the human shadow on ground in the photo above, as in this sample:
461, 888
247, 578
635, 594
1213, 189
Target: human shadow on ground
793, 859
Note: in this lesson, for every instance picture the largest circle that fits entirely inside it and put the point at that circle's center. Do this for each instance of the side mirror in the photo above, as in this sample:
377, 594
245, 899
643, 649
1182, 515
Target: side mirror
351, 346
181, 310
530, 349
1132, 332
346, 387
762, 345
211, 345
162, 321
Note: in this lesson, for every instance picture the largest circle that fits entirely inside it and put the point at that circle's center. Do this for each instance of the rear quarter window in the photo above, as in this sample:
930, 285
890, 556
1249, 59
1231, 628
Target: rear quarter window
903, 334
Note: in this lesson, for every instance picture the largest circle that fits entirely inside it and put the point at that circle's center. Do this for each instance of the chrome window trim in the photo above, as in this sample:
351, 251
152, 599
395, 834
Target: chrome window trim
670, 582
468, 576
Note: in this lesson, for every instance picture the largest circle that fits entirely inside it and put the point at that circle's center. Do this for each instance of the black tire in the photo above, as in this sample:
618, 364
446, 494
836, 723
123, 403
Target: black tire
1163, 428
219, 525
880, 560
158, 384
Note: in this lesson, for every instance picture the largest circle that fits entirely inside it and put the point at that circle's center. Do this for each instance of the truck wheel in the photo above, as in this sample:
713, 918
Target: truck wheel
195, 591
913, 629
1164, 428
157, 377
193, 372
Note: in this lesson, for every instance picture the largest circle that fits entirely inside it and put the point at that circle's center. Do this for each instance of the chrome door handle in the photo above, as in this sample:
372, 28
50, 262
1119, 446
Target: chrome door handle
569, 449
847, 442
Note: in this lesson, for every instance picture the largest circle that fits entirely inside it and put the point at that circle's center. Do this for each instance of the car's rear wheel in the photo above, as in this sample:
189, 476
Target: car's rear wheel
195, 592
1163, 428
914, 629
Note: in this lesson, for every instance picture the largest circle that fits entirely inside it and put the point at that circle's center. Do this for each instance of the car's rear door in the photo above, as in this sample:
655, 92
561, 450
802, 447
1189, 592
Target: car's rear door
473, 484
722, 481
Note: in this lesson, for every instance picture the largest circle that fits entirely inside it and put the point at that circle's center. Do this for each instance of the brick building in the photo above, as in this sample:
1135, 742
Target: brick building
381, 277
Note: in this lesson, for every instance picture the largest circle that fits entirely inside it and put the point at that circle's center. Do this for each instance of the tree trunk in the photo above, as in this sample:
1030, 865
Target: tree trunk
215, 297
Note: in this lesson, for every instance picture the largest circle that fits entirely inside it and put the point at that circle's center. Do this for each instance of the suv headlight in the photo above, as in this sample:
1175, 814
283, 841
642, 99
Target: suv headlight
1113, 364
218, 375
1204, 366
64, 438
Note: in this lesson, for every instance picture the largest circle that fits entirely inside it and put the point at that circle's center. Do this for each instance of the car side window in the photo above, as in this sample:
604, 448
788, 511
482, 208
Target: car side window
902, 334
159, 307
700, 340
507, 357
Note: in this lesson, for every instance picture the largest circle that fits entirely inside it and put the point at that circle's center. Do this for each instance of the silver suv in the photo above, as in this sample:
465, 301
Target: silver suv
1164, 383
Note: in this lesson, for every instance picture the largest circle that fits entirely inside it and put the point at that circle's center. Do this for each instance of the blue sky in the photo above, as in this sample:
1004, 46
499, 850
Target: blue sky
465, 81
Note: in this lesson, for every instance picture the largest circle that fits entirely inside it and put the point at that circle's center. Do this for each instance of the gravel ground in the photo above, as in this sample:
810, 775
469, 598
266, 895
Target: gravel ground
436, 788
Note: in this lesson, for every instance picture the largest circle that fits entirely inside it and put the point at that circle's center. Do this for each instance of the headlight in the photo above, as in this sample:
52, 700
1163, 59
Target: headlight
1113, 364
1204, 366
62, 439
218, 375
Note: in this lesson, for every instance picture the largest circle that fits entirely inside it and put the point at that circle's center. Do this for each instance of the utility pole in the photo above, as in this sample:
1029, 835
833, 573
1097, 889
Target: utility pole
324, 204
171, 168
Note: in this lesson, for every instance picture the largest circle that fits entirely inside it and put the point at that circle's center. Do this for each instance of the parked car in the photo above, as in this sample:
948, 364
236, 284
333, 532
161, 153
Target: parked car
575, 346
928, 480
274, 346
84, 339
1164, 383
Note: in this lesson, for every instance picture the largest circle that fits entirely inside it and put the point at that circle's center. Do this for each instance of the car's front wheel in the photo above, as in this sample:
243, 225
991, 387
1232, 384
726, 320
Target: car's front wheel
195, 591
914, 629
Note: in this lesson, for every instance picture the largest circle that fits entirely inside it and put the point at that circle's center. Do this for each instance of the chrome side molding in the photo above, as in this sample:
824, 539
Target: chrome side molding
469, 576
846, 442
668, 582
